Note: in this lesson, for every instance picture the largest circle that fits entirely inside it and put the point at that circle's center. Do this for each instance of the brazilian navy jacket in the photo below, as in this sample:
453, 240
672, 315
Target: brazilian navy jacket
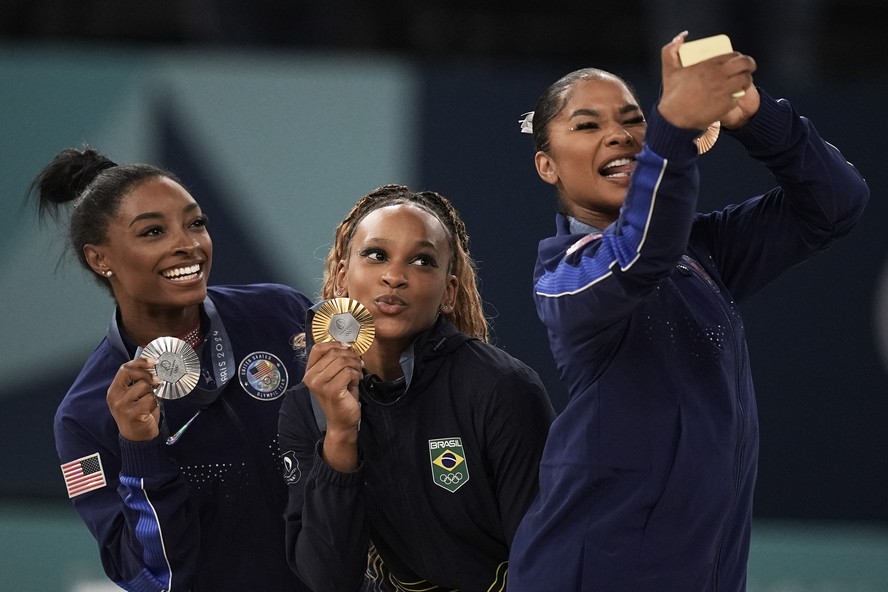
446, 474
202, 513
647, 477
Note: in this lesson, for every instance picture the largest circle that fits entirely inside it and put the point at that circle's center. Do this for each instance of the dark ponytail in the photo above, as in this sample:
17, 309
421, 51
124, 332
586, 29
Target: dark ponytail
67, 175
92, 186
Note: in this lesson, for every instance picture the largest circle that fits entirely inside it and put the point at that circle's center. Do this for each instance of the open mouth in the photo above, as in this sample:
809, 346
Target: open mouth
182, 274
618, 168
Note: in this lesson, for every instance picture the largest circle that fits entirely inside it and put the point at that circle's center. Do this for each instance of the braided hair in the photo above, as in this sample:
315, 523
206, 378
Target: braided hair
95, 186
467, 314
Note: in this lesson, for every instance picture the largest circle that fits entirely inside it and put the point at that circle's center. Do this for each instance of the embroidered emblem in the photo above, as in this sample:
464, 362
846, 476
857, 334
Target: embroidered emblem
292, 474
263, 376
297, 341
448, 461
84, 474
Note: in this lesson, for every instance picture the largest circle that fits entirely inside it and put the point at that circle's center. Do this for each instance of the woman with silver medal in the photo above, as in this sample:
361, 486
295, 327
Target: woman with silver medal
168, 436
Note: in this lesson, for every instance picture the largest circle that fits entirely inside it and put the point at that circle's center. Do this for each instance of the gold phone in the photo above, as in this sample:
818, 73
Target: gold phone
692, 52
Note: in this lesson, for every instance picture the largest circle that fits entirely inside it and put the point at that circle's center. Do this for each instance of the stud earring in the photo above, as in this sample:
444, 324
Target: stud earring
107, 273
446, 307
339, 292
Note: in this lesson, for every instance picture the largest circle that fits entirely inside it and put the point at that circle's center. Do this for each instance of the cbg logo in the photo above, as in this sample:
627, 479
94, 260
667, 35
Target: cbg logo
448, 462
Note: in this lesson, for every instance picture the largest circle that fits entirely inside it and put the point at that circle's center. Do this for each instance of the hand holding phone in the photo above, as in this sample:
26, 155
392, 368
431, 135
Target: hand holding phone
693, 52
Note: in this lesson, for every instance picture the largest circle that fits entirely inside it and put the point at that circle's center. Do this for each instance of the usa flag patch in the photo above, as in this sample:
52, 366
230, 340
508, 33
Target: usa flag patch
84, 474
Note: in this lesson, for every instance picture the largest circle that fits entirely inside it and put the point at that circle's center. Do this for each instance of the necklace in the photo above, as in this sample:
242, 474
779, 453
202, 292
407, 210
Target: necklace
193, 337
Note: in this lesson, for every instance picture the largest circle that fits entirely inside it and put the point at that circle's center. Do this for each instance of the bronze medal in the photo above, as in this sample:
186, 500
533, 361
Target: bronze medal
707, 139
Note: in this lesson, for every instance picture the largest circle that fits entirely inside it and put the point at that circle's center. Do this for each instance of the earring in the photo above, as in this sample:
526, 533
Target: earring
107, 273
339, 292
446, 307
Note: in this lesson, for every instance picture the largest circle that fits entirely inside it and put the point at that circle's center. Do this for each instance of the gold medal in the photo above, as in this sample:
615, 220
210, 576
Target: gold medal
707, 139
177, 366
343, 320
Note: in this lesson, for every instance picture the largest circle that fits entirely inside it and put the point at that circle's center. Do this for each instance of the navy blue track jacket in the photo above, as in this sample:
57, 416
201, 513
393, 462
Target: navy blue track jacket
647, 478
202, 513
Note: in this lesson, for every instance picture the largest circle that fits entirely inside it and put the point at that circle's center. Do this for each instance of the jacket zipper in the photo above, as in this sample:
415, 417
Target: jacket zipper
264, 483
690, 265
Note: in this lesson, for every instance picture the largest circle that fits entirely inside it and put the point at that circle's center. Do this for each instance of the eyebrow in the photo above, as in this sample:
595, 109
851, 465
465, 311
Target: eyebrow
420, 244
629, 108
155, 215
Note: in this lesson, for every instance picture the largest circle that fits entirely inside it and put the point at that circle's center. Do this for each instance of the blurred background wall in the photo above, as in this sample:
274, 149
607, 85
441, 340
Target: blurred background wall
279, 115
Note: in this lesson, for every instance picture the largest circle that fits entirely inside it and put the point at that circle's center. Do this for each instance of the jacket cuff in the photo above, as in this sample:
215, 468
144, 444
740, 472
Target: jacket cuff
667, 141
327, 474
141, 459
768, 127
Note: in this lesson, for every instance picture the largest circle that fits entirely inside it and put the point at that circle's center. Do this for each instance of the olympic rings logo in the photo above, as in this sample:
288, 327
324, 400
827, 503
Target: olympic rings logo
451, 478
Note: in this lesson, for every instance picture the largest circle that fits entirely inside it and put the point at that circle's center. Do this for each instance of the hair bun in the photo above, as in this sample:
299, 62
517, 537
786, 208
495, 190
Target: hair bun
68, 174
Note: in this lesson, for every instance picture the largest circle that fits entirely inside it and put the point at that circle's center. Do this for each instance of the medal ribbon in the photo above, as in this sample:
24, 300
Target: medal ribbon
217, 348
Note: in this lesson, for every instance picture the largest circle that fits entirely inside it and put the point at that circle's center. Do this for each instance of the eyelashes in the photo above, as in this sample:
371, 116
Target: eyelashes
159, 229
379, 255
593, 125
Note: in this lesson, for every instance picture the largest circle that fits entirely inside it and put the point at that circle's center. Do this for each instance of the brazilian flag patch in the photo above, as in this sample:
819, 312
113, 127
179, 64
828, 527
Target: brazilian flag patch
448, 460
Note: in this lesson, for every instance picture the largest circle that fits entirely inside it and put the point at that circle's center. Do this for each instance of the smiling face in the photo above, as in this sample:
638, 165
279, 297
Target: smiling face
158, 249
593, 142
398, 266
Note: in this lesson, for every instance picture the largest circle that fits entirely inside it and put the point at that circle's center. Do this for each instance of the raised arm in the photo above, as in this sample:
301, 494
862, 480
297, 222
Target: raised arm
327, 537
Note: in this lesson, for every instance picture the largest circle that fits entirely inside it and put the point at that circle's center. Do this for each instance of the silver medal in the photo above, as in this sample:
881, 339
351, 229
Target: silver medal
177, 366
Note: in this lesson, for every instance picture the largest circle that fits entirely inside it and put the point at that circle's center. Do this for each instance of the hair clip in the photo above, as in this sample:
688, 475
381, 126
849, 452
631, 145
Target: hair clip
526, 122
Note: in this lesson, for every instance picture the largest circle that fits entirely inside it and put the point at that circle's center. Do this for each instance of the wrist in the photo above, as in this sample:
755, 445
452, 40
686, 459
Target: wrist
340, 448
342, 435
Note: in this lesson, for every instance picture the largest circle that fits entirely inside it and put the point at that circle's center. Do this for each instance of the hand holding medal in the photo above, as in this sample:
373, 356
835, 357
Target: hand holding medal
344, 320
176, 365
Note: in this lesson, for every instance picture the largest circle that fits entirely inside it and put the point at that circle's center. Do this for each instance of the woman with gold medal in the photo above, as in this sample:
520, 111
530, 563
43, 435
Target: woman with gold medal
427, 440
